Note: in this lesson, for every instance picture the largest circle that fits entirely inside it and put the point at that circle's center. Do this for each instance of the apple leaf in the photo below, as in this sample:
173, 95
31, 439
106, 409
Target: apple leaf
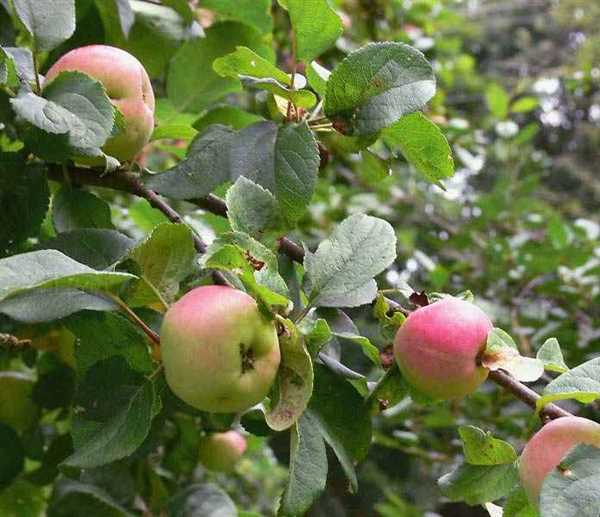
122, 434
50, 269
308, 467
97, 248
256, 13
192, 84
73, 209
340, 273
253, 70
572, 488
551, 355
164, 259
207, 500
316, 27
502, 353
481, 448
72, 497
24, 197
101, 336
50, 22
581, 383
518, 505
376, 85
254, 210
294, 379
479, 484
423, 145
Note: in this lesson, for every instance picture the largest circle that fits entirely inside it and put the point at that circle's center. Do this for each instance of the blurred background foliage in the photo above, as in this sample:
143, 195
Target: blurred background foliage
519, 100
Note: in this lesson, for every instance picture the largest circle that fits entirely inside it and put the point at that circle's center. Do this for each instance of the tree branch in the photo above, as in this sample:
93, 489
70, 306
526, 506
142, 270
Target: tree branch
526, 395
130, 182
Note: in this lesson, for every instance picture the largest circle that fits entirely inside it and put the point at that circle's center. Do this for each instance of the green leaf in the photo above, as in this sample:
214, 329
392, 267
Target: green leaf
318, 76
24, 197
294, 380
551, 355
17, 408
296, 169
22, 64
49, 21
254, 210
50, 268
75, 110
389, 391
173, 132
518, 505
231, 116
254, 263
165, 258
122, 434
478, 484
343, 327
253, 70
73, 209
316, 27
497, 100
524, 105
481, 448
256, 13
572, 489
502, 352
72, 497
96, 248
343, 419
340, 273
12, 454
308, 467
423, 145
205, 500
104, 335
581, 383
284, 160
376, 85
192, 84
23, 499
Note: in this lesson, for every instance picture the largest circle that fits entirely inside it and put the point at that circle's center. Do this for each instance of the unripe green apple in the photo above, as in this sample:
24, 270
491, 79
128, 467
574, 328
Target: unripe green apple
437, 347
127, 85
221, 451
219, 352
17, 408
549, 446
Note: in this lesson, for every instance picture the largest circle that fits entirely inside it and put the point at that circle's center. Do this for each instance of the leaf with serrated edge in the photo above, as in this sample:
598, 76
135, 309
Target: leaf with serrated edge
340, 273
294, 379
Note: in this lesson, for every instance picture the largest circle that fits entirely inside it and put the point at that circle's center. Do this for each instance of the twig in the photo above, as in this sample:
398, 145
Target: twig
36, 71
526, 395
153, 336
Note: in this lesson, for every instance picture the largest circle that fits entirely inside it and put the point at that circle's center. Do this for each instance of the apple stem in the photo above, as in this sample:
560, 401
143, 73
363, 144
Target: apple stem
36, 71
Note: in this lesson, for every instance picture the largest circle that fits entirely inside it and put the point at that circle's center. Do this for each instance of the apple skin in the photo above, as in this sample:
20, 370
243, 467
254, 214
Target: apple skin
549, 446
220, 452
219, 352
437, 347
127, 85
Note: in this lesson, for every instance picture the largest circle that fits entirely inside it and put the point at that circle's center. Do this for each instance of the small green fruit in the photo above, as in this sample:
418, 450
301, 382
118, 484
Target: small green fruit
220, 452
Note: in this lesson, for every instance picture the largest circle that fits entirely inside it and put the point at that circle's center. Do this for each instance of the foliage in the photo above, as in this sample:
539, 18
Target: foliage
342, 161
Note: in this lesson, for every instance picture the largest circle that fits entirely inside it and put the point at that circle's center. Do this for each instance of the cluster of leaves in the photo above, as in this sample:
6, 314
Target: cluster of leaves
99, 429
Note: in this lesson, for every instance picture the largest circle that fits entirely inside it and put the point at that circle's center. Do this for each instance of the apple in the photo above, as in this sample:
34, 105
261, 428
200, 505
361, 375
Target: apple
438, 345
127, 85
17, 408
221, 451
220, 353
549, 446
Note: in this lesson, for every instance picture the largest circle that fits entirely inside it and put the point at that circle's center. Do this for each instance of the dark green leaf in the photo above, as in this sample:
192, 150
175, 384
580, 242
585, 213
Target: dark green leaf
256, 13
72, 497
376, 85
73, 209
206, 500
12, 455
308, 467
